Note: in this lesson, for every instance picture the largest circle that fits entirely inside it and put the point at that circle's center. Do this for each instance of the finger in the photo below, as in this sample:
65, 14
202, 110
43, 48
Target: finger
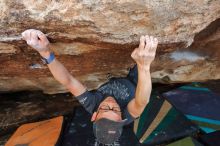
29, 37
155, 42
151, 43
147, 41
133, 53
34, 37
142, 42
39, 32
41, 36
25, 34
29, 34
30, 40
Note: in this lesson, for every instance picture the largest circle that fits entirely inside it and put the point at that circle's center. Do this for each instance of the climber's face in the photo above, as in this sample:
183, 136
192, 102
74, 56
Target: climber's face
108, 109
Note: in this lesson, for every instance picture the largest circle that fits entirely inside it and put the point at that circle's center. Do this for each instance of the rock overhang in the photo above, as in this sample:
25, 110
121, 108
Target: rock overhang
95, 38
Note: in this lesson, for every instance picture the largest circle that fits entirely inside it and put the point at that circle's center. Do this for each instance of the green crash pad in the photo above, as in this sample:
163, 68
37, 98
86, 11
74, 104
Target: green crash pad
161, 123
188, 141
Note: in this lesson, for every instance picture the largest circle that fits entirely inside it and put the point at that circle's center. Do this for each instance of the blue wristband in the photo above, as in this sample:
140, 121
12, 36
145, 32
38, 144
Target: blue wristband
48, 60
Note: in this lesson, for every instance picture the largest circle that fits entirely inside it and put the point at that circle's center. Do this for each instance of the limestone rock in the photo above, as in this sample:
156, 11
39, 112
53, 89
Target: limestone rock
94, 38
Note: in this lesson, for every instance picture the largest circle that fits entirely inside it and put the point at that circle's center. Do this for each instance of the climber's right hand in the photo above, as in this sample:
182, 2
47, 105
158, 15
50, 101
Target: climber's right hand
36, 39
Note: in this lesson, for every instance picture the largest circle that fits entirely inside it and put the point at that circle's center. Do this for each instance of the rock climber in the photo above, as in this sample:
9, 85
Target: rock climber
114, 104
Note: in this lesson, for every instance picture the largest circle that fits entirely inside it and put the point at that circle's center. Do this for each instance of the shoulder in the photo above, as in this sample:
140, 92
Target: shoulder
118, 83
126, 115
90, 99
87, 94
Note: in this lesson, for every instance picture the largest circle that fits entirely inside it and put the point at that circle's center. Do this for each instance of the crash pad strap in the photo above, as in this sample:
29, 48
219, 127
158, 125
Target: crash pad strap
136, 122
160, 116
44, 133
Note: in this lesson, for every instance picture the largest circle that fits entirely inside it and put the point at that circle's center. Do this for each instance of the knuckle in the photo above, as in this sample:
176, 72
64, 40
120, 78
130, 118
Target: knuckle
23, 34
33, 32
29, 42
141, 45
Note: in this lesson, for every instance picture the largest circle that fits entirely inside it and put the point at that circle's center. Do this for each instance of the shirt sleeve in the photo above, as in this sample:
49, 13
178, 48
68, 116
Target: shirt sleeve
128, 116
89, 100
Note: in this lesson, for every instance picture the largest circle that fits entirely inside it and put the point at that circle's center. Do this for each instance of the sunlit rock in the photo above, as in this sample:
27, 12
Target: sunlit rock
95, 38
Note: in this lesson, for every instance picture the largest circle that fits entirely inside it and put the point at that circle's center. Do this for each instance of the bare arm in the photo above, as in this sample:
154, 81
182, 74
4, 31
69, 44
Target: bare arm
62, 75
143, 55
39, 42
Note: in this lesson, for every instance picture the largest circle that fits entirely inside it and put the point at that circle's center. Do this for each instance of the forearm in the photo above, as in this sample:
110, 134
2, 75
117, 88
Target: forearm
38, 41
143, 91
144, 86
143, 56
62, 75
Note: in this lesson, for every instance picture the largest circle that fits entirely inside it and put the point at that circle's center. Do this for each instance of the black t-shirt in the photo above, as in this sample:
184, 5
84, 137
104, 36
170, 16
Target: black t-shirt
121, 89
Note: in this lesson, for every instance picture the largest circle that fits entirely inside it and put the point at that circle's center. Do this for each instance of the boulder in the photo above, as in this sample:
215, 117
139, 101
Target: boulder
94, 39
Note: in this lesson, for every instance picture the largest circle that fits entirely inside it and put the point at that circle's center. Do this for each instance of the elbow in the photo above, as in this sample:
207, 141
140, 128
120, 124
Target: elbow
145, 102
139, 107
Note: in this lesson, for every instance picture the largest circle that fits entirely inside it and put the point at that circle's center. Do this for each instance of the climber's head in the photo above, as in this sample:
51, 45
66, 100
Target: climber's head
108, 121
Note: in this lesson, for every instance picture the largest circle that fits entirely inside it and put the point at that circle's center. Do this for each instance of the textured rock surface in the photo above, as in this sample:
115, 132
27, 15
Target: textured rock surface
95, 38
